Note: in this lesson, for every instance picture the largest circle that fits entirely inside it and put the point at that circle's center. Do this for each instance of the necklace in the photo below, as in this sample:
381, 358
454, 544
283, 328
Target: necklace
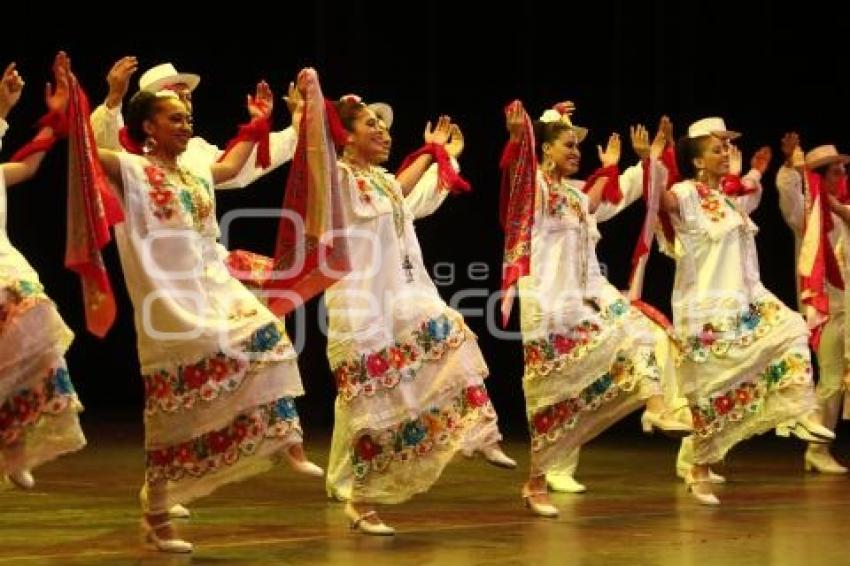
383, 185
200, 200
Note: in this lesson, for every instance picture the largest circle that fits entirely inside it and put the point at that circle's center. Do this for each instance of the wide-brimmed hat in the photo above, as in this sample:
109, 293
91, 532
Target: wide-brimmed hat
162, 76
825, 155
713, 126
556, 114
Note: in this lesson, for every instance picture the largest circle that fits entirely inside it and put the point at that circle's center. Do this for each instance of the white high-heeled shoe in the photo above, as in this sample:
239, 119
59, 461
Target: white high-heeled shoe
563, 483
543, 509
812, 431
360, 522
671, 427
703, 498
22, 479
176, 511
172, 545
686, 475
304, 466
820, 460
494, 454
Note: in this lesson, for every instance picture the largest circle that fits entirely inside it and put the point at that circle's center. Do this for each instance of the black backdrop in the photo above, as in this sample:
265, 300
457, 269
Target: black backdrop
763, 66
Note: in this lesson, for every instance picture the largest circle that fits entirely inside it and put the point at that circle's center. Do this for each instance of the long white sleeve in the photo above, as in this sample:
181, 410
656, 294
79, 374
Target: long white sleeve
789, 184
748, 203
281, 149
427, 196
105, 124
631, 186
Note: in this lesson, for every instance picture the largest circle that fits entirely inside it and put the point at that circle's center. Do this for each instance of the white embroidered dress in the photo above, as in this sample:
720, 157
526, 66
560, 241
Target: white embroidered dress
218, 369
409, 373
38, 404
745, 365
590, 357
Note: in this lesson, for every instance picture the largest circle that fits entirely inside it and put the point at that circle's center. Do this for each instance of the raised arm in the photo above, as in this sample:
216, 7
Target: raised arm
281, 144
413, 172
106, 120
56, 99
11, 85
609, 157
789, 183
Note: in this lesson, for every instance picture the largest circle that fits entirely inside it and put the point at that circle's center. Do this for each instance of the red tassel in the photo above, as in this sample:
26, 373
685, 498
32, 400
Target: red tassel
611, 192
257, 130
56, 121
448, 177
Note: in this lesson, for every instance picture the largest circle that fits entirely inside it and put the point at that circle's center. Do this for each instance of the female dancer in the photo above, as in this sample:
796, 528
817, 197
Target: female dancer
409, 373
38, 404
220, 373
589, 355
744, 365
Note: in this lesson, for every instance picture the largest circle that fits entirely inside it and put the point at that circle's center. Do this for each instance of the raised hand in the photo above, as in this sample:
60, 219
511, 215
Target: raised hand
736, 160
761, 159
454, 147
611, 155
659, 142
11, 86
294, 103
515, 120
57, 95
640, 140
118, 79
665, 126
260, 105
440, 133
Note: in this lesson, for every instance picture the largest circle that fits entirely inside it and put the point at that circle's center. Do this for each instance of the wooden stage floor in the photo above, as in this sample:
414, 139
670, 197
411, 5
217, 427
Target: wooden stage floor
83, 511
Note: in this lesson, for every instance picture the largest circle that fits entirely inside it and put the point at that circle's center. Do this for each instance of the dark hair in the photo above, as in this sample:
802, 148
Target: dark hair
348, 111
688, 149
142, 106
547, 132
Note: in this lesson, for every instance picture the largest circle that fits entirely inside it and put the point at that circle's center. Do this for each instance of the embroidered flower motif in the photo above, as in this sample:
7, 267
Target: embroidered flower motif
26, 407
222, 448
746, 398
434, 429
542, 355
169, 389
387, 367
548, 425
376, 365
718, 336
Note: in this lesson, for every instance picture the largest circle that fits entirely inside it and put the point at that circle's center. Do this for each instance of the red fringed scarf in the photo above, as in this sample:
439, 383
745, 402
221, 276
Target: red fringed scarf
449, 179
54, 120
257, 130
313, 255
817, 264
92, 210
516, 211
611, 191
